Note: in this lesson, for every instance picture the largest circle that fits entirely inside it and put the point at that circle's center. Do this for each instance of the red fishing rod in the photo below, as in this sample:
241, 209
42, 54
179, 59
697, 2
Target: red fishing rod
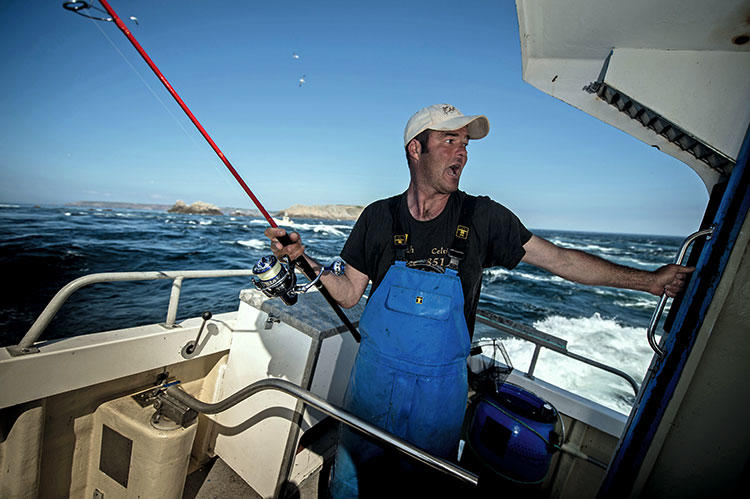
300, 262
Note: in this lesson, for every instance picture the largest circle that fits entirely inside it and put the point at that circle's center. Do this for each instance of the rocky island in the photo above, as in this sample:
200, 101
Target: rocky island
325, 212
197, 208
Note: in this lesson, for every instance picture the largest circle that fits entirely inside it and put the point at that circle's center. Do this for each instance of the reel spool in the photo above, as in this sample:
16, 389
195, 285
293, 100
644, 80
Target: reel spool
275, 279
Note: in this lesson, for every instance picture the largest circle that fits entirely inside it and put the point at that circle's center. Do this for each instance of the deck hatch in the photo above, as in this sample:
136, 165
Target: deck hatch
114, 459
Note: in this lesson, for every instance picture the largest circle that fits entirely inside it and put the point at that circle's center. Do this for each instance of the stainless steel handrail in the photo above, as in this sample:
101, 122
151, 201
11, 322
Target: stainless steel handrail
177, 276
545, 340
650, 332
329, 409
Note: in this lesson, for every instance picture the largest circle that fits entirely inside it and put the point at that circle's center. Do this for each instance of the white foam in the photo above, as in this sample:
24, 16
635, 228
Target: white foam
633, 261
500, 274
496, 274
583, 247
9, 205
331, 229
540, 278
600, 290
206, 222
258, 244
319, 228
605, 340
642, 303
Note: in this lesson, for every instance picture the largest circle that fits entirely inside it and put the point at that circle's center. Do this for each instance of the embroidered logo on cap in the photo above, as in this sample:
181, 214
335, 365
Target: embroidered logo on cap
449, 109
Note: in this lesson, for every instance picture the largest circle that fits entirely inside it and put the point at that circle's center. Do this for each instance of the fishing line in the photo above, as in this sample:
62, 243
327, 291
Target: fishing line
188, 134
143, 80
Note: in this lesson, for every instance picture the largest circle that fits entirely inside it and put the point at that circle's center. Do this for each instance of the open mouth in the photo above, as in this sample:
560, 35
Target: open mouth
454, 170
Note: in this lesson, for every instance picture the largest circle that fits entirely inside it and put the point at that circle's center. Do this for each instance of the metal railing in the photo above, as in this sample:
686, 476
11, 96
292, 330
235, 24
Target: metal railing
651, 331
35, 331
329, 409
544, 340
25, 346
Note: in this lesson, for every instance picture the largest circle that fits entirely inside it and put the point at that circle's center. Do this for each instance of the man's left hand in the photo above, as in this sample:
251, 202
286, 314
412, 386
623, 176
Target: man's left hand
670, 280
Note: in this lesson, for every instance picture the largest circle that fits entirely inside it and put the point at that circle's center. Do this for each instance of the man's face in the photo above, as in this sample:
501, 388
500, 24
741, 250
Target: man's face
441, 166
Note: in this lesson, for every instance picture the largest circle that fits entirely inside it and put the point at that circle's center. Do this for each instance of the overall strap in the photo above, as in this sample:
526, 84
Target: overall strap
400, 237
461, 239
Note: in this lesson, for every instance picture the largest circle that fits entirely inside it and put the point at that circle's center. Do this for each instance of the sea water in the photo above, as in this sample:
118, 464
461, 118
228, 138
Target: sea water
44, 248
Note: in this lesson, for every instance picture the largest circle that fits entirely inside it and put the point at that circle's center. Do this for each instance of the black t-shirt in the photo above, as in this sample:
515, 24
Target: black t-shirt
496, 238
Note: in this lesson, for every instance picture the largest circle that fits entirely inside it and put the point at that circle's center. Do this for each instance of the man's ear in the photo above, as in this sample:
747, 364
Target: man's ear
415, 149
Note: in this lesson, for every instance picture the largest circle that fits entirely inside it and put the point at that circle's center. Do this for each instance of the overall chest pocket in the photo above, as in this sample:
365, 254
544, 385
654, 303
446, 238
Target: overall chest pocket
419, 303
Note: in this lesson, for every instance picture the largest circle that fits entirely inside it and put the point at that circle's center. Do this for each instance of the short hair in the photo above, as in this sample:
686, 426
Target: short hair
423, 138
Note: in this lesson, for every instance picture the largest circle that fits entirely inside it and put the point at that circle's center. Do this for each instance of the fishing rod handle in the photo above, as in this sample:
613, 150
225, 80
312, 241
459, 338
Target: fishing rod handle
310, 273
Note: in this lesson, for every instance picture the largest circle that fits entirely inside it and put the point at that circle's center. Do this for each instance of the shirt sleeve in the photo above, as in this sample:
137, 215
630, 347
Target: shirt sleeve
507, 235
354, 252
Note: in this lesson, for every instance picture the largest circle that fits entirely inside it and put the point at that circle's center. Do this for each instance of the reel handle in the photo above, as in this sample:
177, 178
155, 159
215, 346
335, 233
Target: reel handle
309, 272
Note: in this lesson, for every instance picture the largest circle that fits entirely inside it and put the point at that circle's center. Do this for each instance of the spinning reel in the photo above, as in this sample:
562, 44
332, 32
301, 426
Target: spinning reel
277, 279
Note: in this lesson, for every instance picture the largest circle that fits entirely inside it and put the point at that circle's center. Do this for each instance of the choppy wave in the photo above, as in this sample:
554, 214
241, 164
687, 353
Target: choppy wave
587, 247
645, 302
631, 261
501, 274
320, 227
258, 244
496, 274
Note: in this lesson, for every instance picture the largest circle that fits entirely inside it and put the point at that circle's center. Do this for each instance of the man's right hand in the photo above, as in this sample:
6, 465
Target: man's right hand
294, 250
346, 289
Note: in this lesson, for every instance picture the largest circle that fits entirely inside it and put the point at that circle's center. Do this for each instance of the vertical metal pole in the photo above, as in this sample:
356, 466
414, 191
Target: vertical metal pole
174, 300
534, 358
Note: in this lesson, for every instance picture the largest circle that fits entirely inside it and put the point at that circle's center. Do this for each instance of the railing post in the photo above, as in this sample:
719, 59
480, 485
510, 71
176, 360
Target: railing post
174, 300
534, 358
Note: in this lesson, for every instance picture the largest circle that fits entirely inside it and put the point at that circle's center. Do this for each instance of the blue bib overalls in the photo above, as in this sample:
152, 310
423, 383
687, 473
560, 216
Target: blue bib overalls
409, 377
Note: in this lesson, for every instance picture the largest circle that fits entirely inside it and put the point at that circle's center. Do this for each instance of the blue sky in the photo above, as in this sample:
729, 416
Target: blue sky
79, 123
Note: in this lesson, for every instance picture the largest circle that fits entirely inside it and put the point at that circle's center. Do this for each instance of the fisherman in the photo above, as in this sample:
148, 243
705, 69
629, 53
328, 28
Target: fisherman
424, 251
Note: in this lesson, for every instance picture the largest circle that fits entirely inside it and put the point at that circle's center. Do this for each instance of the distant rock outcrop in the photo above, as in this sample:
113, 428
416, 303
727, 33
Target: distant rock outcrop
326, 211
197, 208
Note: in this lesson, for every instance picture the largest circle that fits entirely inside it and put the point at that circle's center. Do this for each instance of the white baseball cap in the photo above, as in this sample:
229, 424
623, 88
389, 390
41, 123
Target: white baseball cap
445, 117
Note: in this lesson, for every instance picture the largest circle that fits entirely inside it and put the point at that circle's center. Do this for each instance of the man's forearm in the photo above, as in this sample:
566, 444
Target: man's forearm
585, 268
345, 289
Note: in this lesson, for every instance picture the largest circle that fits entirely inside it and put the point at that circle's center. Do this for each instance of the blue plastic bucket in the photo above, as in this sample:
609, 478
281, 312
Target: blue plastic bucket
511, 431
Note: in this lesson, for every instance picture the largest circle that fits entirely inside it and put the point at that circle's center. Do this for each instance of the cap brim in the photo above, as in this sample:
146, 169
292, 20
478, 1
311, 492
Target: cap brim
479, 125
